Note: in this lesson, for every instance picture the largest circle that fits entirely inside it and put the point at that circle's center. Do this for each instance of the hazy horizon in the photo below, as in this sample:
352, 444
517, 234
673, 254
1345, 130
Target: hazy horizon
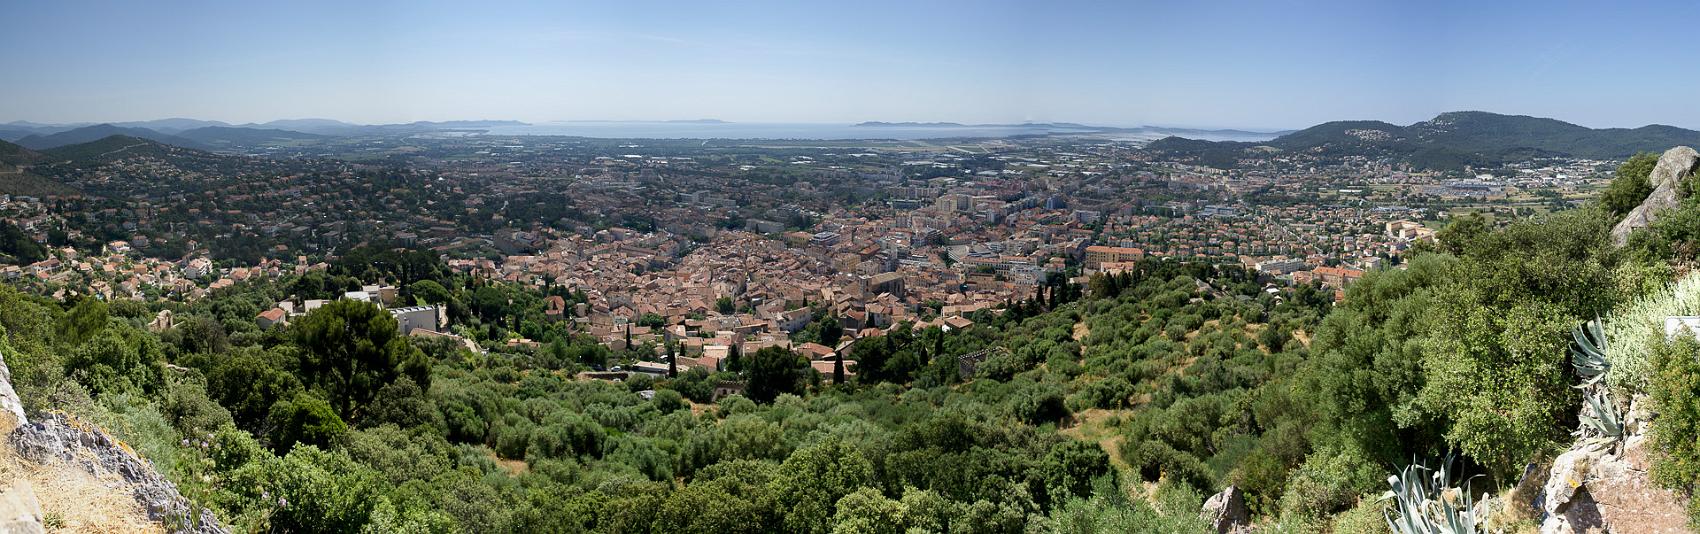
1251, 66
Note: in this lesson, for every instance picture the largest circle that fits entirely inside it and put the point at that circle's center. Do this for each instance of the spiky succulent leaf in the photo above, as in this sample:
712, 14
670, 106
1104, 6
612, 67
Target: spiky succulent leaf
1588, 354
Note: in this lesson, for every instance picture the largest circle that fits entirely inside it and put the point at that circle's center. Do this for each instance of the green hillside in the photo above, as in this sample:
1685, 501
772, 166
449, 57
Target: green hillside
107, 148
1449, 141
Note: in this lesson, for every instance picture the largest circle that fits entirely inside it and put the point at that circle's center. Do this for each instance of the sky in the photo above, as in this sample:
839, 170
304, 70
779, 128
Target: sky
1255, 64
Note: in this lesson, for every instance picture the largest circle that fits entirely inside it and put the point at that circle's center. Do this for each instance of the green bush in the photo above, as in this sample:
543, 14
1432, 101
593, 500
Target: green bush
1630, 186
1635, 331
306, 419
1675, 394
1155, 460
1329, 481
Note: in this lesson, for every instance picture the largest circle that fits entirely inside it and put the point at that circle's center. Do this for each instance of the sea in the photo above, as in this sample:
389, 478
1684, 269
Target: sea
759, 130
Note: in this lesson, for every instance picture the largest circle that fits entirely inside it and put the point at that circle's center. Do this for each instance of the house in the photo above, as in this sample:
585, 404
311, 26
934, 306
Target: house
271, 317
166, 321
409, 318
1098, 255
725, 388
886, 283
824, 367
1336, 277
554, 308
657, 369
385, 295
198, 268
815, 351
956, 323
792, 321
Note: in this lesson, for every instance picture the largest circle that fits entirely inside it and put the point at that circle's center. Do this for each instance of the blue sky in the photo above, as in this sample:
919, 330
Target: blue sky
1255, 64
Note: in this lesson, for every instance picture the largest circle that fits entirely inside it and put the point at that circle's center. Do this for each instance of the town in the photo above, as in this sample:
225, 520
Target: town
730, 247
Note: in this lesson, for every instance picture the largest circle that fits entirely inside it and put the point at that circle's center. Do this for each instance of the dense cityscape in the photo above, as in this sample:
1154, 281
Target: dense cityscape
886, 231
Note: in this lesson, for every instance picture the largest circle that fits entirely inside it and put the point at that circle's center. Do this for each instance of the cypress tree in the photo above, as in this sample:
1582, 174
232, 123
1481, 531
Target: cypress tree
672, 362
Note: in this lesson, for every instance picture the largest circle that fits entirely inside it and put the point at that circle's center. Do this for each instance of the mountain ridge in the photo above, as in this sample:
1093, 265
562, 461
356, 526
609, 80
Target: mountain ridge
113, 145
97, 132
1449, 141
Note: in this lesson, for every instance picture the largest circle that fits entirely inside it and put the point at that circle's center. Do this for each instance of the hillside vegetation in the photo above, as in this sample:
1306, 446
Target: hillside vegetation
1450, 141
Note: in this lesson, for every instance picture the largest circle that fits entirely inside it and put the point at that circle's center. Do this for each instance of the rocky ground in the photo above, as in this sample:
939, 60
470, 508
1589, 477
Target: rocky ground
59, 474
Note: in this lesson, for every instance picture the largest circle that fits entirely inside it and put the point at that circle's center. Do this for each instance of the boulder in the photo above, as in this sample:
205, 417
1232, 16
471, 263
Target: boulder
1675, 165
1227, 511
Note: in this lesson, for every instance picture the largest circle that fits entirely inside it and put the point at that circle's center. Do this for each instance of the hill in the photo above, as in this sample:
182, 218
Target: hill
171, 126
229, 136
1448, 141
112, 147
13, 155
14, 181
97, 132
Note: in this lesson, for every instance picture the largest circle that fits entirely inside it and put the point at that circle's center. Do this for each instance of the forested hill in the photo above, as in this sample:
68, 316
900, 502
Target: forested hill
14, 155
112, 148
1449, 141
99, 131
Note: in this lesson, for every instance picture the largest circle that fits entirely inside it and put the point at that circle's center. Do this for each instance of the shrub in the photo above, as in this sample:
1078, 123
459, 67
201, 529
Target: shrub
1155, 460
1675, 395
1636, 330
305, 419
1330, 480
1630, 186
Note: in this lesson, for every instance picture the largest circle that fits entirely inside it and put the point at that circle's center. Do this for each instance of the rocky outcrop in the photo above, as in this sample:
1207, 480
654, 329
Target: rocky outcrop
54, 441
11, 409
1227, 511
1674, 166
56, 438
20, 511
1605, 487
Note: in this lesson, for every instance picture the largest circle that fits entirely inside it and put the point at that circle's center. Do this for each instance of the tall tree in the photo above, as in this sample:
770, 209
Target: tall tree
774, 371
672, 362
353, 348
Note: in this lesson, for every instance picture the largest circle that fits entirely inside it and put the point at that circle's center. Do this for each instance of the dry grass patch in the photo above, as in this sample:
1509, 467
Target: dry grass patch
77, 501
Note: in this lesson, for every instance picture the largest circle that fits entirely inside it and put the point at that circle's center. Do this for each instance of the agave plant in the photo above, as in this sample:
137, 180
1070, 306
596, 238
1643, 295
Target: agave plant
1588, 354
1601, 418
1425, 501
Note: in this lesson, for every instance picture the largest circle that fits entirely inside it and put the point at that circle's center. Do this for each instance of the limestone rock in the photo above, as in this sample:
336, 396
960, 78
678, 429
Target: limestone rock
54, 438
1227, 511
1629, 501
1597, 487
1569, 472
11, 409
1675, 165
1581, 516
19, 510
